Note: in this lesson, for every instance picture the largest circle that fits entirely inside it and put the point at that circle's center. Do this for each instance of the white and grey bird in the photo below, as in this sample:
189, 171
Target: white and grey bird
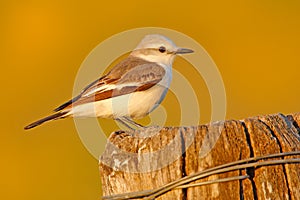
131, 90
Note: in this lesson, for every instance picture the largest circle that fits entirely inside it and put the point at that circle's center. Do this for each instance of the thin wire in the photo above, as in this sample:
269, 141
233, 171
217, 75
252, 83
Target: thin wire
227, 169
213, 181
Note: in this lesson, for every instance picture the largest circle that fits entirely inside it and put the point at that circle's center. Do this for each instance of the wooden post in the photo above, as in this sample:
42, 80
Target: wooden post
149, 160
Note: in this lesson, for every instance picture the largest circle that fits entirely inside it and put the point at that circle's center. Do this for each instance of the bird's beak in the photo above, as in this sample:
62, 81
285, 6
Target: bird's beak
183, 51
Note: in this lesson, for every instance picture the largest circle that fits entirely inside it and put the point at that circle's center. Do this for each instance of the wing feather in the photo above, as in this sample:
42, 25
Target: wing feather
129, 76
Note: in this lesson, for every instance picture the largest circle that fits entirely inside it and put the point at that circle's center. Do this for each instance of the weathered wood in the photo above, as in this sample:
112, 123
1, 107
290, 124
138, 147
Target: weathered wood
125, 166
150, 159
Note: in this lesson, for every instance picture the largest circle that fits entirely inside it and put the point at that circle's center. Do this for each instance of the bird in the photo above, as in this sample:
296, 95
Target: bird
130, 90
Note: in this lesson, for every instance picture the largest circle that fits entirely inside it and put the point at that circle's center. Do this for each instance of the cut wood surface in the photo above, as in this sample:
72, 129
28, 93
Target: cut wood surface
150, 159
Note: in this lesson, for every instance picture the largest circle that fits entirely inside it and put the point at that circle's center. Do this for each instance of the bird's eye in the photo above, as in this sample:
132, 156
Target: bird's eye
162, 49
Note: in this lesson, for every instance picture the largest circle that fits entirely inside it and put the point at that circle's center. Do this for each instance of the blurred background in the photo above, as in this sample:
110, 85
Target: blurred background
255, 44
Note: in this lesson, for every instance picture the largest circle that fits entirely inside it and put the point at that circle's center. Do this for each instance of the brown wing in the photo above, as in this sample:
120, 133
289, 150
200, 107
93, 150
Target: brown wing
93, 84
115, 73
128, 72
140, 78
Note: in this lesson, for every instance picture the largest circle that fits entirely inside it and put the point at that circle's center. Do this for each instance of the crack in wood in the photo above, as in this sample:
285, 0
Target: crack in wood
280, 148
250, 171
183, 169
241, 184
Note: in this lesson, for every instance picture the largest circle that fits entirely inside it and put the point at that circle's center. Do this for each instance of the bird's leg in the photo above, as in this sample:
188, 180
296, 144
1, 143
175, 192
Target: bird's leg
128, 120
143, 131
124, 123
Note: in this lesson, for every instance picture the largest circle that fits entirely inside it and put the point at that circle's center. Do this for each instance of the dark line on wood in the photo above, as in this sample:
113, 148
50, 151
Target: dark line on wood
183, 150
241, 181
250, 171
280, 149
241, 187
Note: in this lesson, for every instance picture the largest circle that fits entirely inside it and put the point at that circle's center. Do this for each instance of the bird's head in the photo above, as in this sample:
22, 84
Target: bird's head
159, 49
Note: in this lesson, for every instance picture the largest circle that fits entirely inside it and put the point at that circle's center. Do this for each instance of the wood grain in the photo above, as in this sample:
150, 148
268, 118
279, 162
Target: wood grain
145, 160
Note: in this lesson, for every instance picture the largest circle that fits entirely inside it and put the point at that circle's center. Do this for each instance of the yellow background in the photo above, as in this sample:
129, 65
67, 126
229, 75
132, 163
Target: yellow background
254, 43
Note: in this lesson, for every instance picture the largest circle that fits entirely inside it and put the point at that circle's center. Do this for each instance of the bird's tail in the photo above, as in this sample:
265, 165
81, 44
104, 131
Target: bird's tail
50, 117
